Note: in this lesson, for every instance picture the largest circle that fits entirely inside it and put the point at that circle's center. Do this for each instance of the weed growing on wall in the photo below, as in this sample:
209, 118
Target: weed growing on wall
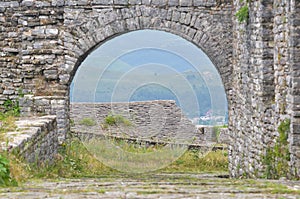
11, 108
277, 157
217, 130
7, 124
8, 117
242, 14
115, 120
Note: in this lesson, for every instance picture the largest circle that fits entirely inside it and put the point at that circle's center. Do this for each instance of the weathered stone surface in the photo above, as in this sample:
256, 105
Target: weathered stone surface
263, 91
153, 186
36, 139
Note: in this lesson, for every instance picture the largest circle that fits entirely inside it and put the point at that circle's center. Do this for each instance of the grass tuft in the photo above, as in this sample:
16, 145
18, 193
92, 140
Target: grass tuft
88, 122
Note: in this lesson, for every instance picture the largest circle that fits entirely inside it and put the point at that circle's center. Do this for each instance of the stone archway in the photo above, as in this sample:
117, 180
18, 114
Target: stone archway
55, 38
44, 42
209, 28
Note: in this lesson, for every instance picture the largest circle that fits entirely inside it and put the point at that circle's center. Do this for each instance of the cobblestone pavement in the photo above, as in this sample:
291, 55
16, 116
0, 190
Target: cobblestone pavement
164, 186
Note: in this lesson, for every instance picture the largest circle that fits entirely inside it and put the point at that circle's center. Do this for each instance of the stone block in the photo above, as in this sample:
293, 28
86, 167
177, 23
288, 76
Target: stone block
9, 4
159, 2
52, 32
173, 2
135, 2
120, 2
58, 3
146, 2
200, 2
102, 2
185, 3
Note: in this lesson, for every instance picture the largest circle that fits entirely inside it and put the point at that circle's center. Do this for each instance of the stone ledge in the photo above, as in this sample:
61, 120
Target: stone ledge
35, 139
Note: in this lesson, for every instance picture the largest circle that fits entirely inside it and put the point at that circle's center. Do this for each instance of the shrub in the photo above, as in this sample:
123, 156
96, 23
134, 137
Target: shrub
113, 120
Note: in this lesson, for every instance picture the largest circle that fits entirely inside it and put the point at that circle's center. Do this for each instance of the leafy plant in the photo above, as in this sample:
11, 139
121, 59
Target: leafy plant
72, 122
11, 108
242, 14
20, 92
5, 179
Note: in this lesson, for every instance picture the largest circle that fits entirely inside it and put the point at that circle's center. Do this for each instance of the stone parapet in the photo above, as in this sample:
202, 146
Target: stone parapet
35, 139
151, 120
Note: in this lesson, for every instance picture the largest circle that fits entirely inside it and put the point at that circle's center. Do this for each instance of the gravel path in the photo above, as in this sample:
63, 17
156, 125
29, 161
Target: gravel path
164, 186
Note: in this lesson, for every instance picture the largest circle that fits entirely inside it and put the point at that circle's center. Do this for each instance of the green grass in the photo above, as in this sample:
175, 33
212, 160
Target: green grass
132, 159
88, 122
75, 161
191, 162
7, 124
135, 147
7, 120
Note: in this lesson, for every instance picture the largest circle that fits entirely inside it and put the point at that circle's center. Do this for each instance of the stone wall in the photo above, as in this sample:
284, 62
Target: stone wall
48, 105
35, 139
150, 120
264, 85
294, 82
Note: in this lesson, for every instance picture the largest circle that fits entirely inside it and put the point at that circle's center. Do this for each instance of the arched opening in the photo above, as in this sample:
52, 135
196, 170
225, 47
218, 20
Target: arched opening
151, 57
125, 74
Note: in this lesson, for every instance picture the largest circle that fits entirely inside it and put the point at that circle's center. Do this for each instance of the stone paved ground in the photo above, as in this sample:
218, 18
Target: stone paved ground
165, 186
